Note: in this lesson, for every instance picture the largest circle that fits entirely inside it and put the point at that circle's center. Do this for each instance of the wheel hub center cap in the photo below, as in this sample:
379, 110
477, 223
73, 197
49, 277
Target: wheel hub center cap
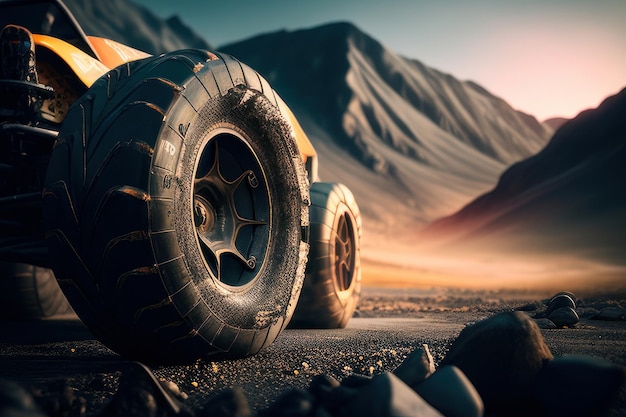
204, 215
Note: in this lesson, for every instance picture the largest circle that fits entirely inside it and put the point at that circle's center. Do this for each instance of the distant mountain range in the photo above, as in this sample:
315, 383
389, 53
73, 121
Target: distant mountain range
415, 144
570, 197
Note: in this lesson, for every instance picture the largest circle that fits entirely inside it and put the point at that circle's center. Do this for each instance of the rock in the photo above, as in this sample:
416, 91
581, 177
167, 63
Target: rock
602, 304
356, 381
545, 323
588, 313
418, 366
578, 386
323, 384
501, 356
558, 294
561, 300
451, 393
564, 317
141, 393
386, 396
63, 400
558, 300
294, 402
229, 403
172, 388
330, 393
15, 401
612, 313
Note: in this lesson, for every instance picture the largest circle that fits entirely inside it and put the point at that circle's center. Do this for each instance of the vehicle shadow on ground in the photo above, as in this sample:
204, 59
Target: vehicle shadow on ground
65, 328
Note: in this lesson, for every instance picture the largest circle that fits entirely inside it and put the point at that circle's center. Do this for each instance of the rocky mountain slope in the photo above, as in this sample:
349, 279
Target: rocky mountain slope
569, 198
132, 24
413, 143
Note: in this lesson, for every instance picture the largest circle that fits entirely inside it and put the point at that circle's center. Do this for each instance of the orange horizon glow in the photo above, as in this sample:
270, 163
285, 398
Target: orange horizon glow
516, 276
480, 268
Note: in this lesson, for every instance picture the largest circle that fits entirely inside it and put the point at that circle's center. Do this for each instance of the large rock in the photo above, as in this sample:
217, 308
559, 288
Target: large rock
140, 393
386, 396
564, 317
294, 402
501, 356
229, 403
561, 299
578, 386
451, 393
15, 401
612, 313
330, 394
418, 366
545, 323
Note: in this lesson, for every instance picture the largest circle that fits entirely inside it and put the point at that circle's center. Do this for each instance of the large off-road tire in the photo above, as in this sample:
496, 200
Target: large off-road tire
332, 286
176, 208
29, 292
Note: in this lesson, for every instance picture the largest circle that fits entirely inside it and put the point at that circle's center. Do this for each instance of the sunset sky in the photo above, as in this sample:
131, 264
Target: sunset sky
544, 57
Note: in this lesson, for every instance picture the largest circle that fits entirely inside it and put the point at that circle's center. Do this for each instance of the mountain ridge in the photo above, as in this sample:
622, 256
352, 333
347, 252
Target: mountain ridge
424, 95
134, 25
413, 143
570, 197
431, 142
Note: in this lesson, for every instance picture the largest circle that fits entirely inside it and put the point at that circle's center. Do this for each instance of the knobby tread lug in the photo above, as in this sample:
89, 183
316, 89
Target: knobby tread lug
140, 311
268, 91
209, 82
252, 78
234, 68
222, 78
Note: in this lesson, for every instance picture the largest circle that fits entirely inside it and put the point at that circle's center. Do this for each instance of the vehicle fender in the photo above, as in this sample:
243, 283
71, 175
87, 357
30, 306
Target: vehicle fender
307, 151
113, 54
87, 68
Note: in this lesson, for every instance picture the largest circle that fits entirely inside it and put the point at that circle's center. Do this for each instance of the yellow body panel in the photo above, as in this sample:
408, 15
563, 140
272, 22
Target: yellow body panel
112, 54
86, 68
304, 144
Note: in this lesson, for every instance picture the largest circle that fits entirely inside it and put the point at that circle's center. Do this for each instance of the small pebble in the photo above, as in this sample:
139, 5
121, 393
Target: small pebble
564, 317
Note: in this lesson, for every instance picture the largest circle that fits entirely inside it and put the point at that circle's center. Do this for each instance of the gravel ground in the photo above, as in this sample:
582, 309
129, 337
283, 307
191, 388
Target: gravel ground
55, 355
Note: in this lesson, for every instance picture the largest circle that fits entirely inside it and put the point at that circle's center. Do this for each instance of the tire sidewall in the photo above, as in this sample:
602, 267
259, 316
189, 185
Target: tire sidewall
270, 298
324, 302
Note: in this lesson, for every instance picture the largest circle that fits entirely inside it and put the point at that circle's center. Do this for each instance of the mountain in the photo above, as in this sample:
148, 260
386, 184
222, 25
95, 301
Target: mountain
413, 143
134, 25
555, 122
569, 198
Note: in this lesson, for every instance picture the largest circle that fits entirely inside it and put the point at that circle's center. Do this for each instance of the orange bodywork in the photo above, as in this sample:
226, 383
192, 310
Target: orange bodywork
112, 54
86, 68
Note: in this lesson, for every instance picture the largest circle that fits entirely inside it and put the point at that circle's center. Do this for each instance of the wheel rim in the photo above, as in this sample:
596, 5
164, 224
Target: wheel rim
231, 209
345, 256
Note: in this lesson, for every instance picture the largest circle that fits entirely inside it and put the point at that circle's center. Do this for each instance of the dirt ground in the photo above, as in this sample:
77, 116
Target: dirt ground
53, 355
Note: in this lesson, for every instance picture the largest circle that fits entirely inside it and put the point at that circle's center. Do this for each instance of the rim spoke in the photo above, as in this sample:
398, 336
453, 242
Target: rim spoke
344, 254
218, 221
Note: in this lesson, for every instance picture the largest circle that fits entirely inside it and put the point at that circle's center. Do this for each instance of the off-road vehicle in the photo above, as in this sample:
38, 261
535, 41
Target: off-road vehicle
175, 197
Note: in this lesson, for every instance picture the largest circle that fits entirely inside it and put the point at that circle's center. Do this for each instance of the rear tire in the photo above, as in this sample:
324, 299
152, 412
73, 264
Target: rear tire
29, 292
175, 205
332, 286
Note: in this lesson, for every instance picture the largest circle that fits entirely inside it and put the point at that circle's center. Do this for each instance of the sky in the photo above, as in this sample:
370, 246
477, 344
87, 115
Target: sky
548, 58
